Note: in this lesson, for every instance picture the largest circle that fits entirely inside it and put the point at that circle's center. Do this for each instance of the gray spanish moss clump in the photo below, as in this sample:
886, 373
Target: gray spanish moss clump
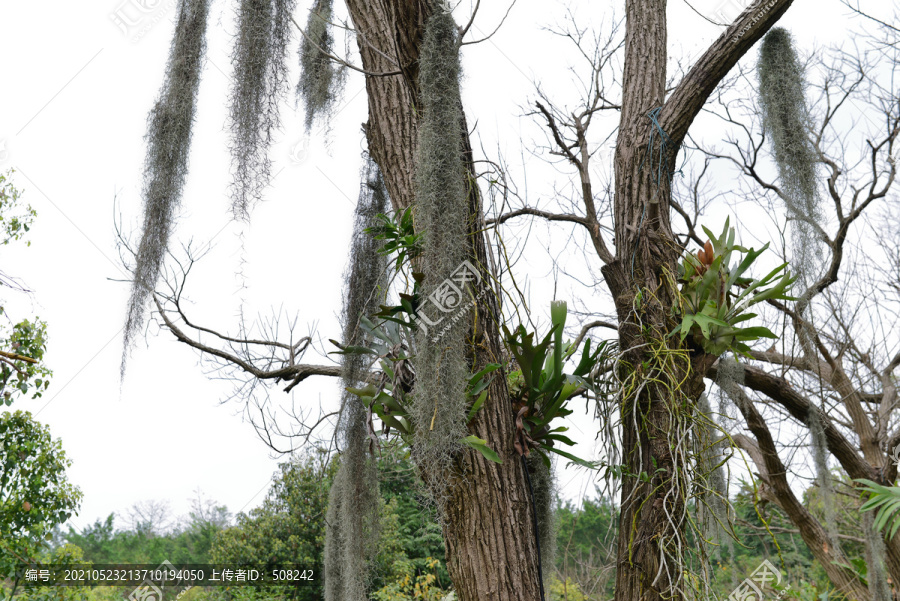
320, 80
785, 120
439, 408
730, 373
260, 82
733, 562
875, 562
351, 535
166, 165
544, 486
819, 447
712, 506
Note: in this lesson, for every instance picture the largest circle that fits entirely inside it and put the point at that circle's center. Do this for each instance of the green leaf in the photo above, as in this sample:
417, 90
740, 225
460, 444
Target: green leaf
741, 317
702, 321
754, 333
560, 438
588, 361
572, 458
398, 424
390, 403
476, 406
481, 446
474, 380
887, 500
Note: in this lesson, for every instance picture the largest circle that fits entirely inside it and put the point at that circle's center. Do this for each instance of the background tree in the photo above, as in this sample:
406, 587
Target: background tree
190, 541
150, 517
289, 527
832, 375
586, 539
832, 361
62, 557
35, 495
22, 344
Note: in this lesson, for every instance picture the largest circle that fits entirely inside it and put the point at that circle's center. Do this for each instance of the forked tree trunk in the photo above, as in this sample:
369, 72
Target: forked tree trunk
641, 280
491, 549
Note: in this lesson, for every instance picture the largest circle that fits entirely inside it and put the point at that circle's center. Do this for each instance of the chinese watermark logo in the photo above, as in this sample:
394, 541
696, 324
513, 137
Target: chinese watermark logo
148, 589
728, 11
896, 456
752, 588
4, 151
448, 299
761, 12
447, 6
135, 18
602, 164
299, 152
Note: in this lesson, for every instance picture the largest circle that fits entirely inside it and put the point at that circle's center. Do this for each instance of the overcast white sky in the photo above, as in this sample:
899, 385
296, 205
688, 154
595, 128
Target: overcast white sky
77, 90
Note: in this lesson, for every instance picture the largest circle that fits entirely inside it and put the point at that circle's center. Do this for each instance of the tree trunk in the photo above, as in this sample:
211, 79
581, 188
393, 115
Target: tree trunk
652, 501
491, 548
663, 378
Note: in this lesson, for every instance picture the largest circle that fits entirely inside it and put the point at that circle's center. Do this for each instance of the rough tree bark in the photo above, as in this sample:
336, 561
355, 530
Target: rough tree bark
833, 370
639, 279
491, 549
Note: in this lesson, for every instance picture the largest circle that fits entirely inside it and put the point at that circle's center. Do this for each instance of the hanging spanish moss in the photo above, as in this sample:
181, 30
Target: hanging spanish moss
819, 447
543, 485
260, 82
786, 121
320, 80
730, 373
733, 562
352, 518
876, 572
439, 408
712, 506
729, 376
166, 165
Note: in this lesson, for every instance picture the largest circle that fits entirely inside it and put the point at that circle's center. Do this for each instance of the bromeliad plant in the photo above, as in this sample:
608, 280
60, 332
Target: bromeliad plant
715, 295
540, 390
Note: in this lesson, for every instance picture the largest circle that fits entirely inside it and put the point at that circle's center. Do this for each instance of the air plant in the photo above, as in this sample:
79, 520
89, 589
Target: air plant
715, 295
541, 390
